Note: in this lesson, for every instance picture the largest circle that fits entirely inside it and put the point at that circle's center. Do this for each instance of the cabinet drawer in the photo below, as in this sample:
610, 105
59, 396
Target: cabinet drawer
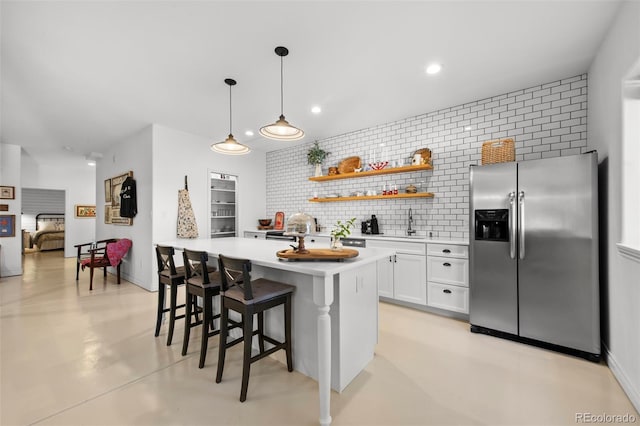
448, 270
448, 250
256, 235
320, 239
449, 297
399, 246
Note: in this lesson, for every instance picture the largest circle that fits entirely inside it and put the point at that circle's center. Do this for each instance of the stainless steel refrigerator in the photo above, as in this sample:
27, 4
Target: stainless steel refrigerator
534, 252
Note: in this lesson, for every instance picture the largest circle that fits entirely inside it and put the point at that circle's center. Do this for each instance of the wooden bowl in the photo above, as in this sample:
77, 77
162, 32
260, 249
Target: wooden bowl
264, 222
349, 164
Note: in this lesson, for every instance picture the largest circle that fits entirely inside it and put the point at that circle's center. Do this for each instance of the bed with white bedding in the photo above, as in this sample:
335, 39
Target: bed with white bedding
49, 233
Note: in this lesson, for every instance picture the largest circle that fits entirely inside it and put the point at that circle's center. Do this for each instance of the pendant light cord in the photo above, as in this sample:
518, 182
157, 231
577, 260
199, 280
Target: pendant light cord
281, 87
230, 109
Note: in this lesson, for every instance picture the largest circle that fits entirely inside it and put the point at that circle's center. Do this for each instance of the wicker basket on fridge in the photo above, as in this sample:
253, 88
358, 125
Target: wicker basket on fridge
498, 151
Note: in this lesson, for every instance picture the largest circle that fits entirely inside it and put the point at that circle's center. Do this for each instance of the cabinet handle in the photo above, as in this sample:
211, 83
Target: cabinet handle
255, 236
390, 259
446, 264
446, 251
446, 291
395, 258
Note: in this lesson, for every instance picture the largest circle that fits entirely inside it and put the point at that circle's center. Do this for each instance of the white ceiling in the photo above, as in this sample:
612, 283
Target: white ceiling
87, 74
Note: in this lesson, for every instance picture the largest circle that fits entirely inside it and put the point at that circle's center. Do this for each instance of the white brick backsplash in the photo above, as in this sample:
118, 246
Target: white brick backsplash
545, 121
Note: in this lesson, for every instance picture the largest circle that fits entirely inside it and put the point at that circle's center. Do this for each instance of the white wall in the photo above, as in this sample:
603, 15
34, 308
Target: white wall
131, 154
176, 154
11, 251
78, 184
619, 276
547, 120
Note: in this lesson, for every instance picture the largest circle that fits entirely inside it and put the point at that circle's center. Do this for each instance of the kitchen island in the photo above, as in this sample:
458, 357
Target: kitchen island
335, 307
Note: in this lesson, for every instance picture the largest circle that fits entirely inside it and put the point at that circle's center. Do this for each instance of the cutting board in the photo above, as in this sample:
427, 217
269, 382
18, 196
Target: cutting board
318, 254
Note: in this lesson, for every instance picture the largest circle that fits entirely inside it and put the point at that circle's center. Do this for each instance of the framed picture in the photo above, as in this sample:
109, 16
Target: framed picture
117, 220
116, 186
85, 211
7, 225
107, 190
7, 192
107, 214
279, 222
124, 221
4, 207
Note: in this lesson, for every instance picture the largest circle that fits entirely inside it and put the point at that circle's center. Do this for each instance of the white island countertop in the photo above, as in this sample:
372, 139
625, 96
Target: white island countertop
263, 253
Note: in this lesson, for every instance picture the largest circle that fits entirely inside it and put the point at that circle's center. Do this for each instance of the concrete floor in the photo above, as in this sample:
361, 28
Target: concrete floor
73, 357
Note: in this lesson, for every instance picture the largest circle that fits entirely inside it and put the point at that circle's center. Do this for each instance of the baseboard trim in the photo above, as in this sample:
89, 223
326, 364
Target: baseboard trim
623, 379
629, 252
6, 273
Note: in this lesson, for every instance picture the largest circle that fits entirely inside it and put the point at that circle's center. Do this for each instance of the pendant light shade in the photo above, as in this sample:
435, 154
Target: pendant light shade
281, 129
230, 146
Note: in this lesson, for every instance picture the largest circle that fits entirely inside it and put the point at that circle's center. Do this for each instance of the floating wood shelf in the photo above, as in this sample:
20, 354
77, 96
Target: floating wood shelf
372, 197
391, 170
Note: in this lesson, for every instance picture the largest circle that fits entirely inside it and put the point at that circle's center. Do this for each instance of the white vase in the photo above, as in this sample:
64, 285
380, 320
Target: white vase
336, 244
318, 169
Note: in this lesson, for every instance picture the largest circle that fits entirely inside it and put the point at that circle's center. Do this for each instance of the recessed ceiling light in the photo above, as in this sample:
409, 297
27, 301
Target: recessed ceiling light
91, 163
434, 69
467, 128
316, 110
248, 133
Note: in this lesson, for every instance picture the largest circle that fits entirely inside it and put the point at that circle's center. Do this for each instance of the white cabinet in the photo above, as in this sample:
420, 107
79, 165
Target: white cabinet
358, 314
448, 277
409, 278
319, 239
255, 235
448, 297
223, 205
447, 270
404, 275
385, 277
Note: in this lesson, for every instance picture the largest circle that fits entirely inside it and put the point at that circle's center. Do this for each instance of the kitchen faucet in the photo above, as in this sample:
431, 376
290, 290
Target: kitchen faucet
409, 230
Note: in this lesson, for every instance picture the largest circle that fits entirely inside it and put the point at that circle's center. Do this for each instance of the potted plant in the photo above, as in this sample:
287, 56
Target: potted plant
315, 156
341, 230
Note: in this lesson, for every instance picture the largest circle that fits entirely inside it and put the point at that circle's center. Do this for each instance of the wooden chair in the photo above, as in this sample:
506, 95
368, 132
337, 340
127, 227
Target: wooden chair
102, 254
201, 281
94, 255
83, 252
247, 297
173, 277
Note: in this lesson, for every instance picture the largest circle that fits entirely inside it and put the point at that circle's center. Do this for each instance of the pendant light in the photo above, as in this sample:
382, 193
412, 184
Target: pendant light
281, 130
230, 146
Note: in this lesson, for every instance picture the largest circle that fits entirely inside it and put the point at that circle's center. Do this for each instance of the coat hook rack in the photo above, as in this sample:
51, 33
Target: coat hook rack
186, 185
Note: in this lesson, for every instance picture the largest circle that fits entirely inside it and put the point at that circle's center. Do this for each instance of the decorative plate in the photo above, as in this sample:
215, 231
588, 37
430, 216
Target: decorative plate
378, 165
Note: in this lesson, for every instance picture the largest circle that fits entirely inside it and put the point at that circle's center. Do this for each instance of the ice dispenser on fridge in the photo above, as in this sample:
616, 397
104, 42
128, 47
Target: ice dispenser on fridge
492, 225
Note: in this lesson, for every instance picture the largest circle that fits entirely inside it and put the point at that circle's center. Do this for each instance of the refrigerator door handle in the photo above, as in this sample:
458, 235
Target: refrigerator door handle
521, 223
512, 228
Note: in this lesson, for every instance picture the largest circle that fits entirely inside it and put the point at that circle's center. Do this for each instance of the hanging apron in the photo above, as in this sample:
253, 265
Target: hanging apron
187, 227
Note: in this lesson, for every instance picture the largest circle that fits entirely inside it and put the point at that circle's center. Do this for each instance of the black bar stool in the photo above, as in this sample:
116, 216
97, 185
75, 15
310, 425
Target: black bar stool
173, 277
247, 297
202, 281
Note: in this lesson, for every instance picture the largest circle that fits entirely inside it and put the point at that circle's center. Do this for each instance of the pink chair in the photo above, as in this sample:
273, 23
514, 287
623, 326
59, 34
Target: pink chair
102, 254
